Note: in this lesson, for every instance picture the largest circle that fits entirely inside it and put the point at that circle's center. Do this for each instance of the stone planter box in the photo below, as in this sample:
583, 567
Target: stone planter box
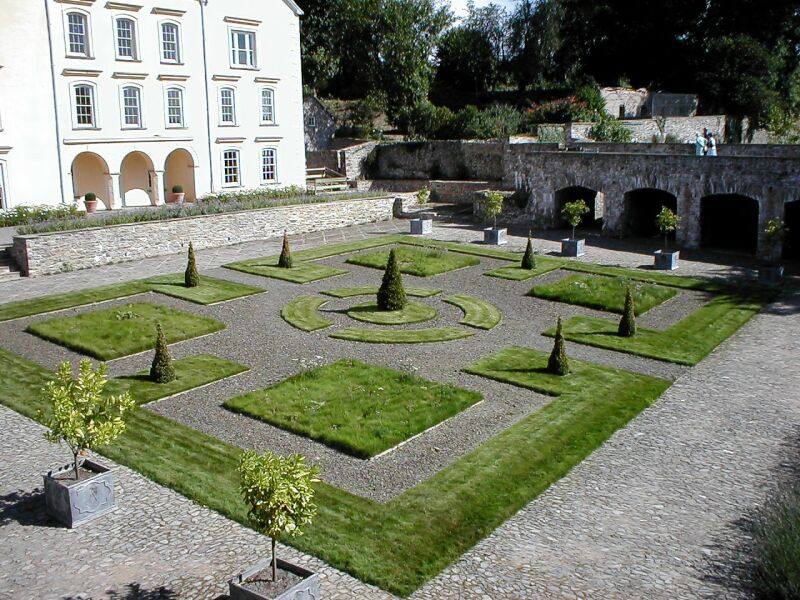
73, 502
421, 226
495, 237
574, 248
666, 261
306, 589
770, 274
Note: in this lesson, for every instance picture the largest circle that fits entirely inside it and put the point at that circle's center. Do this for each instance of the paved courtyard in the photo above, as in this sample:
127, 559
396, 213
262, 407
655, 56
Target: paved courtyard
647, 515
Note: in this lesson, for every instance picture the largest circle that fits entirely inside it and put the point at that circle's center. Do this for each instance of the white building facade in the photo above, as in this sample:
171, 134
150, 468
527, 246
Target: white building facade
127, 100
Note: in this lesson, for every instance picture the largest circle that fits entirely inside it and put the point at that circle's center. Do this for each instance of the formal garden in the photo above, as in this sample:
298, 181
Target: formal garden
405, 395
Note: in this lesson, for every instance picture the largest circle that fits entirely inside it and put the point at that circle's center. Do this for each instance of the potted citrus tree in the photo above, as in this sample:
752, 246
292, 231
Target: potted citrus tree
177, 196
90, 202
84, 417
279, 494
491, 205
771, 271
424, 223
572, 213
667, 222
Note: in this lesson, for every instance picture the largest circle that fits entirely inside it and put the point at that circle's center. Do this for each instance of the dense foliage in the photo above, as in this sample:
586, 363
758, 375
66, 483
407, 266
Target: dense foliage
162, 370
191, 277
627, 324
558, 363
285, 259
528, 260
26, 215
392, 294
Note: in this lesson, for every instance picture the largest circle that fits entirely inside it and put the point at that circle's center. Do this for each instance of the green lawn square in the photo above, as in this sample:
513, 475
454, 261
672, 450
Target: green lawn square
357, 408
603, 293
210, 291
301, 272
122, 330
422, 262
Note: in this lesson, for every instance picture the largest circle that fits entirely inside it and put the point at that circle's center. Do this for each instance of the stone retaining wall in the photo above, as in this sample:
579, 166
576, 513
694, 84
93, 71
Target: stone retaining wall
449, 159
645, 130
47, 253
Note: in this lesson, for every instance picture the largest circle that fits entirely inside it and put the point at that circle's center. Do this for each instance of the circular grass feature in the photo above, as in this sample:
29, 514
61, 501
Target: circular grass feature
414, 312
401, 336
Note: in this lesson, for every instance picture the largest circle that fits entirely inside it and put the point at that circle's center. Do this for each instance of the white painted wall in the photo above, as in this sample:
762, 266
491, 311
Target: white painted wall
27, 93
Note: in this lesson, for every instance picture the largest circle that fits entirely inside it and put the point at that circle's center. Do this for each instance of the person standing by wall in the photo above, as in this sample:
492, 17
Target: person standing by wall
699, 144
712, 145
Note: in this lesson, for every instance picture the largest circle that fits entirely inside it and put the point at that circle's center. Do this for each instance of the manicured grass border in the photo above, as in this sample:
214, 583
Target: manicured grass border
401, 336
303, 313
210, 291
360, 409
687, 342
405, 542
517, 273
299, 273
417, 261
413, 312
477, 313
372, 290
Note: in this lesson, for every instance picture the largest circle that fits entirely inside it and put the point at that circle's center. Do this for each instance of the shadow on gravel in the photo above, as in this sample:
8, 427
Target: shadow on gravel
134, 591
25, 508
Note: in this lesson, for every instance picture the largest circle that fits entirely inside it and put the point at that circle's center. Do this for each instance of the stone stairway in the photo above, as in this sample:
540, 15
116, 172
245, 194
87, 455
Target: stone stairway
8, 268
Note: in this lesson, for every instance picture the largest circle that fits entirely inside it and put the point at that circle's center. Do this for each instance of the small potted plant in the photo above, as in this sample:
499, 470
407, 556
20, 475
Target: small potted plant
491, 205
771, 271
90, 202
424, 223
572, 213
84, 417
279, 494
667, 222
177, 196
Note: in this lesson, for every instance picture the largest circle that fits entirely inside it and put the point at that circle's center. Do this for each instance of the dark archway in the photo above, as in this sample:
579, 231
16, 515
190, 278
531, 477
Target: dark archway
791, 217
641, 208
594, 200
729, 222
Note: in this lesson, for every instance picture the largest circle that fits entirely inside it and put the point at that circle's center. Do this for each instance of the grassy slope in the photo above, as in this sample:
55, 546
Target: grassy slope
103, 335
303, 313
401, 544
477, 313
358, 408
413, 312
421, 262
210, 291
401, 336
603, 293
687, 342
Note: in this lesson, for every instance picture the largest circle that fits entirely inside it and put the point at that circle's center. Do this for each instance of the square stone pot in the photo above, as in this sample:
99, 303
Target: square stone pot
421, 226
666, 261
570, 247
494, 236
308, 588
770, 274
73, 502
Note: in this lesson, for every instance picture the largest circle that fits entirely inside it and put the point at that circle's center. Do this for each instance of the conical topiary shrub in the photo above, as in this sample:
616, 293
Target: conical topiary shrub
285, 259
528, 261
391, 295
162, 371
627, 324
558, 363
191, 277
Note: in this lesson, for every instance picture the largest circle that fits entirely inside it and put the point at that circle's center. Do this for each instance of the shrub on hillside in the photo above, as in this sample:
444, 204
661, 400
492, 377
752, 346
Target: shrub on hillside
776, 546
609, 129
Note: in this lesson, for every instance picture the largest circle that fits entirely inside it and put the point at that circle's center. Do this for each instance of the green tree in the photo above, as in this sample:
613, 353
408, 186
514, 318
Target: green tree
392, 295
161, 369
80, 413
528, 260
285, 259
491, 205
558, 363
627, 324
667, 222
609, 129
279, 494
191, 276
573, 212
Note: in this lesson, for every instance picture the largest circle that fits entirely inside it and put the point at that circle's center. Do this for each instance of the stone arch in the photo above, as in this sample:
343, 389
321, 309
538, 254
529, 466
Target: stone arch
179, 169
593, 198
640, 207
729, 222
90, 174
791, 218
137, 180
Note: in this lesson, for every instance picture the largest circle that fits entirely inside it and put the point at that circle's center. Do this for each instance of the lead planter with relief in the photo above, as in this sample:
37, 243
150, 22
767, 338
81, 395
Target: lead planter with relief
665, 261
421, 226
74, 502
570, 247
494, 236
307, 588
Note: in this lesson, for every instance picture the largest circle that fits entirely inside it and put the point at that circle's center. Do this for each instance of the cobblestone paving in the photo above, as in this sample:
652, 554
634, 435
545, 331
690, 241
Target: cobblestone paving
157, 540
647, 515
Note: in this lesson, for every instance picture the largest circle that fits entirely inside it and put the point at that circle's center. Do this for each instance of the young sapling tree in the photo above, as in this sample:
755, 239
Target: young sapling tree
667, 222
573, 212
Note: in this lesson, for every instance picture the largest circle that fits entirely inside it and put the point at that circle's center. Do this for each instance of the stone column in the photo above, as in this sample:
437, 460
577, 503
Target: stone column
116, 198
688, 233
159, 183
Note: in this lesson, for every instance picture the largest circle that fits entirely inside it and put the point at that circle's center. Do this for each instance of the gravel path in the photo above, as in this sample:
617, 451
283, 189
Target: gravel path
257, 336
